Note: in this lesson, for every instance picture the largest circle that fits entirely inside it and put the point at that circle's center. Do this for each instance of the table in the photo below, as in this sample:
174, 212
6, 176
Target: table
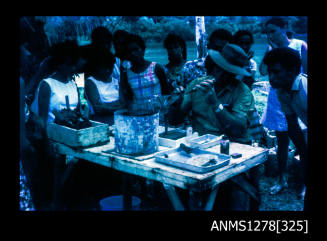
169, 176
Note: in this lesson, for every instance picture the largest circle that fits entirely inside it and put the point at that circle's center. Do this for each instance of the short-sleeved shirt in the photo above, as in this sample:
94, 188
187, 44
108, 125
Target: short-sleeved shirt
237, 99
296, 101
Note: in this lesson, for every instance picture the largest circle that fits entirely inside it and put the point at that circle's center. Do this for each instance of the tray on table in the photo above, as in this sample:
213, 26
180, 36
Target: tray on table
197, 160
205, 141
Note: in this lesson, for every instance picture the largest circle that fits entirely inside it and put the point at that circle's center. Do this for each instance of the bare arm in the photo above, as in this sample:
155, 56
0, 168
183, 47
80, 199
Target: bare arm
304, 53
296, 134
166, 88
44, 102
262, 67
94, 97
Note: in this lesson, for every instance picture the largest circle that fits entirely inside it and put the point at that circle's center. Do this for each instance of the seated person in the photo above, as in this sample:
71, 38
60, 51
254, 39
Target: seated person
101, 88
221, 104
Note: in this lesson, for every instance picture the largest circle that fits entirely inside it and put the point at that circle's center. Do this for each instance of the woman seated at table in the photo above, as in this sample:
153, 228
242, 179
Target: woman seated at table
102, 88
145, 82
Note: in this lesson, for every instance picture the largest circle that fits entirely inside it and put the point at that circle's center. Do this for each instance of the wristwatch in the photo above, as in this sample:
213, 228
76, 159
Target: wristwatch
219, 108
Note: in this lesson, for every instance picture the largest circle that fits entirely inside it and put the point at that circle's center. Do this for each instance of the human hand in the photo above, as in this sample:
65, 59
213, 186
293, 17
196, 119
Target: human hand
250, 54
209, 91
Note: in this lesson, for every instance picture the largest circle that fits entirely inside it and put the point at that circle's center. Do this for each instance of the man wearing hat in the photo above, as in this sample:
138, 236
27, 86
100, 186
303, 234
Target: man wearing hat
221, 104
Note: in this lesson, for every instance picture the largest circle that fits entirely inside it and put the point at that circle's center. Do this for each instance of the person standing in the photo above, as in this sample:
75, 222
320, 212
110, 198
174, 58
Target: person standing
144, 83
176, 50
49, 100
195, 69
284, 69
244, 39
273, 117
102, 88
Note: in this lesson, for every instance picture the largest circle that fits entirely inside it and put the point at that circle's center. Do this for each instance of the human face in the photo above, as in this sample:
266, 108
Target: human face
135, 53
218, 44
215, 71
245, 43
104, 73
280, 78
174, 53
275, 34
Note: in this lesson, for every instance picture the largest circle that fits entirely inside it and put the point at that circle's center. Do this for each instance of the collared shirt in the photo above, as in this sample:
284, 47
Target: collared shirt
237, 99
296, 101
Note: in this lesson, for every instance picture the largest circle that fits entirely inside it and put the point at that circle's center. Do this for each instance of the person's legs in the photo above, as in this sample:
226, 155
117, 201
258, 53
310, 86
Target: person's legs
282, 156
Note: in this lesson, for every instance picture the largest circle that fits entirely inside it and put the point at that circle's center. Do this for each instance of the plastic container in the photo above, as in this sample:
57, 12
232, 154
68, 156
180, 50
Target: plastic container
115, 203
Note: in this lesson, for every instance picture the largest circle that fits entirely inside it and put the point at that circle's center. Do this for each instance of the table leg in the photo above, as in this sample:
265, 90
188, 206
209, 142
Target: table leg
195, 201
211, 199
173, 197
127, 196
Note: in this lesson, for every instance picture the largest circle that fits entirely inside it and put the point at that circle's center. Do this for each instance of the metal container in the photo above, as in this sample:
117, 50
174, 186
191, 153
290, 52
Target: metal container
136, 135
205, 141
224, 147
179, 158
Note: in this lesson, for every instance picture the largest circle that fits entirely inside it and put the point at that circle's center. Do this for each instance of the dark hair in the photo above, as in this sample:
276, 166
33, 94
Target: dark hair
278, 21
60, 53
287, 57
289, 34
241, 33
134, 38
101, 33
174, 38
221, 34
120, 34
99, 58
208, 62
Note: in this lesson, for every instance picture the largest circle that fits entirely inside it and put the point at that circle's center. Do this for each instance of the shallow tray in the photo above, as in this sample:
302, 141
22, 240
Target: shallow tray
177, 157
171, 138
205, 141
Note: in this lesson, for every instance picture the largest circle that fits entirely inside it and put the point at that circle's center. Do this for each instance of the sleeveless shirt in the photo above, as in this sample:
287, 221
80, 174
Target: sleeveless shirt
57, 97
108, 92
145, 87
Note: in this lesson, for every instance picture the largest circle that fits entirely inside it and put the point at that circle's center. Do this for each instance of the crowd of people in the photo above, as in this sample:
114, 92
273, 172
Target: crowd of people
212, 94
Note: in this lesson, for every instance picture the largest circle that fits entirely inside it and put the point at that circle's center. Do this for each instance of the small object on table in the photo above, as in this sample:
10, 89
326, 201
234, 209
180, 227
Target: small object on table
224, 147
236, 155
67, 102
185, 148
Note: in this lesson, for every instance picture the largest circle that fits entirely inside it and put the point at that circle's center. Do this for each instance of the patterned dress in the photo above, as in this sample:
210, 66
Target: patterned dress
146, 91
273, 117
192, 70
25, 199
175, 77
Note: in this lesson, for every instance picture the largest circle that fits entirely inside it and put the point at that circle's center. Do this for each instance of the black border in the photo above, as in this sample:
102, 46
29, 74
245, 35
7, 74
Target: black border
144, 222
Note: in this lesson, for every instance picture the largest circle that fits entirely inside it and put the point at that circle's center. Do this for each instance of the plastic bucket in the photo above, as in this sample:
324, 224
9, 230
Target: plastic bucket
115, 203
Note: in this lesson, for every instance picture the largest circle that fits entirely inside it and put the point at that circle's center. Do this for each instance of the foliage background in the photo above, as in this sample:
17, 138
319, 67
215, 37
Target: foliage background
155, 28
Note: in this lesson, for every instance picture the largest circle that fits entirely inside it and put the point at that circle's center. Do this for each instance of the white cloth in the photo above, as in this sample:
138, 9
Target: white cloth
108, 92
57, 98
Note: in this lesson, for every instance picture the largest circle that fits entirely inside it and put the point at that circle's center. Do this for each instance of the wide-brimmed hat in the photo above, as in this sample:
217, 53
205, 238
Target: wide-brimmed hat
232, 58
